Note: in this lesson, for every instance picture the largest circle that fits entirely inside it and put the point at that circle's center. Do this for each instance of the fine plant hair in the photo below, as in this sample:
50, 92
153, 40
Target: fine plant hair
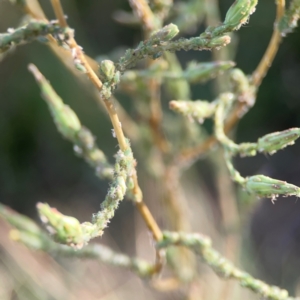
66, 235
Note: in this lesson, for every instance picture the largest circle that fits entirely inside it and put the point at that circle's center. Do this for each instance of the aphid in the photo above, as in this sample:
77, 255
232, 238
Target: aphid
157, 55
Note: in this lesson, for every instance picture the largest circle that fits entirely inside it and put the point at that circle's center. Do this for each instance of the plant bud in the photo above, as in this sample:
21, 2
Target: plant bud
266, 187
66, 121
64, 117
278, 140
107, 69
165, 34
220, 41
65, 229
239, 13
85, 138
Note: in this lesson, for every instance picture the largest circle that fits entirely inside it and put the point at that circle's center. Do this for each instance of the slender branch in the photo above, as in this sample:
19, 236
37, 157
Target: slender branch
245, 93
94, 158
155, 49
129, 125
262, 186
68, 230
32, 31
213, 18
156, 117
109, 106
272, 49
31, 235
150, 222
78, 54
194, 73
156, 112
107, 256
69, 126
201, 245
28, 233
150, 23
189, 155
58, 10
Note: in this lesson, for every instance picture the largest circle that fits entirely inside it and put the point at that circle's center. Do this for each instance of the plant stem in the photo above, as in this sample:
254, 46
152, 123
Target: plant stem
149, 22
156, 116
31, 235
129, 125
213, 18
73, 45
58, 10
189, 155
201, 245
113, 116
29, 32
149, 220
272, 49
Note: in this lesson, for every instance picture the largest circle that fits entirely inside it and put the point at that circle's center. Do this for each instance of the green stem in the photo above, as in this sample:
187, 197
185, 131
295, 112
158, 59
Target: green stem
30, 32
70, 127
32, 236
201, 245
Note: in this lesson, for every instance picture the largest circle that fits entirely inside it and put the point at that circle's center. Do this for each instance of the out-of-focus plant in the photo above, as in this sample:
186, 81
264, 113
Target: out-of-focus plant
157, 50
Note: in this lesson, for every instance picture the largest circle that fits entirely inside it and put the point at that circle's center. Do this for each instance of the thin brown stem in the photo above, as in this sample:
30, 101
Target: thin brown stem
174, 200
272, 49
93, 77
58, 10
144, 13
156, 115
213, 18
149, 220
147, 18
147, 216
128, 124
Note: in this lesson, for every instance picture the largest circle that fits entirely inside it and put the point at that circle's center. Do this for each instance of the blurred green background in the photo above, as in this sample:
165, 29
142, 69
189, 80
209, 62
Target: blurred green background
36, 164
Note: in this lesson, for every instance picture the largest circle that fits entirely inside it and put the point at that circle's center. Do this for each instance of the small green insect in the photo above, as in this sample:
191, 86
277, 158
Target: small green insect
157, 55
